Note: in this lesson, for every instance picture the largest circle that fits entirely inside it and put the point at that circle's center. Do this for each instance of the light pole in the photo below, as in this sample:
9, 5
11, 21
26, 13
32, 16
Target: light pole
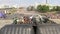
46, 1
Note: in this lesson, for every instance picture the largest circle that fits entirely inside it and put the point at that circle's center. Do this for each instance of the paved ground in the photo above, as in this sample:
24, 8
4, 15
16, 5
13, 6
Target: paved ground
56, 20
5, 22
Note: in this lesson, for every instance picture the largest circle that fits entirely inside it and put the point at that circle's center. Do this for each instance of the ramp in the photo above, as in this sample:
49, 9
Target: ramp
48, 29
17, 29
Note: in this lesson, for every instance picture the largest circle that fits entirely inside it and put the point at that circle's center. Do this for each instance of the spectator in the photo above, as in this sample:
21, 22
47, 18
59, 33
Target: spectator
2, 15
15, 20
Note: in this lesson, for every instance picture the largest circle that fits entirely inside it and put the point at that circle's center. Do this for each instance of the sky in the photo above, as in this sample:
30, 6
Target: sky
27, 2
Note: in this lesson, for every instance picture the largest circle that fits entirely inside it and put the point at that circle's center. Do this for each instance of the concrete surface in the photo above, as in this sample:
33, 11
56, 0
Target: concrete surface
5, 22
56, 20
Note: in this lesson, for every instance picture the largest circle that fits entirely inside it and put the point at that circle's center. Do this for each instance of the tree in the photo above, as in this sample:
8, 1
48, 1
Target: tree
12, 10
53, 9
43, 8
39, 8
56, 8
30, 8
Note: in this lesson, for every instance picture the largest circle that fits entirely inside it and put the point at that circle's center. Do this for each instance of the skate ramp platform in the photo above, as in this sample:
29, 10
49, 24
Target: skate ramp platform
48, 29
17, 29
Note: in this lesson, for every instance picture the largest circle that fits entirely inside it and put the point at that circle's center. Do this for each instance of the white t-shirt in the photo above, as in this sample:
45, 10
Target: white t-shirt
31, 17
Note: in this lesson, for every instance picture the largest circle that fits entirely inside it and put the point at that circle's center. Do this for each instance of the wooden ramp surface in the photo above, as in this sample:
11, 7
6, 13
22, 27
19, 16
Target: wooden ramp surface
17, 29
48, 29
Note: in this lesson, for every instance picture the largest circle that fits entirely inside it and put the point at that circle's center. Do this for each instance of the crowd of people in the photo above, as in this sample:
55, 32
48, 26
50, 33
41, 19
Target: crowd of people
52, 16
31, 19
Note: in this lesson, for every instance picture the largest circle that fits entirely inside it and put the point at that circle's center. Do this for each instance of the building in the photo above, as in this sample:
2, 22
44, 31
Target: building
50, 5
